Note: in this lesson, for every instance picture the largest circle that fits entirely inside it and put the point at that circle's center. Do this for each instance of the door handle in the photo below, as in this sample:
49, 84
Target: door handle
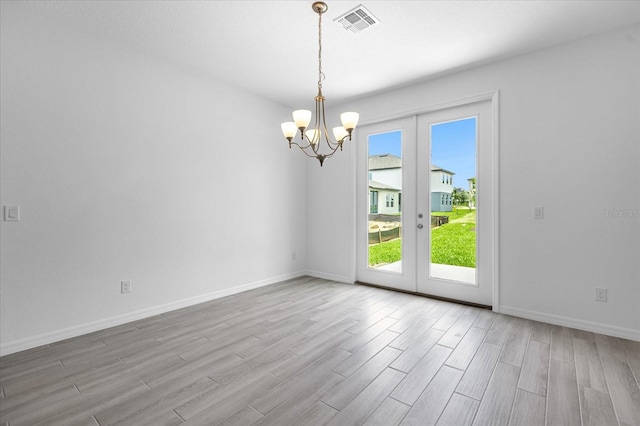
419, 226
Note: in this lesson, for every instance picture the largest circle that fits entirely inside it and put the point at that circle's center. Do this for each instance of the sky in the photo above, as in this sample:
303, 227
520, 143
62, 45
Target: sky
453, 148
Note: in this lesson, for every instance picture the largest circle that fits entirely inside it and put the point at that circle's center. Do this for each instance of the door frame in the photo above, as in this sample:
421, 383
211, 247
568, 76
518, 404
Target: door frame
494, 98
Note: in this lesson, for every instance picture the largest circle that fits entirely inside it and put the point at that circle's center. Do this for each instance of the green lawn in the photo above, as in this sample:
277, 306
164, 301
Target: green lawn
453, 243
383, 253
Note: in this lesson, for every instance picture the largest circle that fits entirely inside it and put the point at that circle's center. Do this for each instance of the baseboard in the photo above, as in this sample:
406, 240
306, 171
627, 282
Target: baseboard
330, 277
67, 333
609, 330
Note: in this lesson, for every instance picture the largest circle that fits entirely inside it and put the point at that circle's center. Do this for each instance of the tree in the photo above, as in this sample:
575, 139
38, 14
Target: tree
460, 196
472, 192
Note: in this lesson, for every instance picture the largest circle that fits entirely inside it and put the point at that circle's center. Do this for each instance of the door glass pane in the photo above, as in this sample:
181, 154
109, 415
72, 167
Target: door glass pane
385, 189
453, 200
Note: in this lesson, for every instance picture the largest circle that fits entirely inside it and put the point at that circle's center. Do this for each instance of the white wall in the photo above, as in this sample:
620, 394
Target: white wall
125, 167
569, 141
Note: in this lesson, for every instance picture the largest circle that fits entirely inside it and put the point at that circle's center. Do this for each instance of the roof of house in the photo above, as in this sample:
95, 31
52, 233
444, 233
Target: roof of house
378, 185
390, 161
384, 161
435, 168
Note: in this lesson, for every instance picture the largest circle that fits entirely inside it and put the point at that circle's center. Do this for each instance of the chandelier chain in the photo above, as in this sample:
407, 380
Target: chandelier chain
321, 75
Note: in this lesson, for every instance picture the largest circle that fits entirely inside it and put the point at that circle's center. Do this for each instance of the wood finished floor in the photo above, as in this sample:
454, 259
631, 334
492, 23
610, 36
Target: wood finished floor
314, 352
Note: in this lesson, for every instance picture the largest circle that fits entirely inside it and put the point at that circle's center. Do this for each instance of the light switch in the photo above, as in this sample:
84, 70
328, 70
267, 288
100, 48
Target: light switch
11, 213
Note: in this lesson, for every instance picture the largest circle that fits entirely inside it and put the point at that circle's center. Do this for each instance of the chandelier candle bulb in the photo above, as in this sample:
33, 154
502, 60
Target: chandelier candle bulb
349, 120
302, 118
313, 135
289, 130
311, 138
340, 133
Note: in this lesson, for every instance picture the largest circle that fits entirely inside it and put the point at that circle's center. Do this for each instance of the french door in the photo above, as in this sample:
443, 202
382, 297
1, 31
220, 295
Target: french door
427, 203
386, 251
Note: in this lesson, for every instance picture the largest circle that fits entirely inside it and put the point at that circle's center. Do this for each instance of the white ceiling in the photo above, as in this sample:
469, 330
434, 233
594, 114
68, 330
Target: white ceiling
270, 47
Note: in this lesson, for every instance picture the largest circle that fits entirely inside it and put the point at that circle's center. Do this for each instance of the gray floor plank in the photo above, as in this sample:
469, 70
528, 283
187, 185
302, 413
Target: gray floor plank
528, 409
153, 403
246, 416
624, 390
84, 407
34, 409
370, 319
432, 402
319, 414
561, 344
514, 348
485, 319
478, 374
495, 407
366, 403
413, 354
419, 377
467, 348
295, 406
610, 347
447, 320
389, 413
632, 355
361, 339
342, 394
563, 406
589, 370
298, 383
541, 332
229, 405
410, 335
596, 407
460, 411
499, 330
364, 354
535, 369
459, 329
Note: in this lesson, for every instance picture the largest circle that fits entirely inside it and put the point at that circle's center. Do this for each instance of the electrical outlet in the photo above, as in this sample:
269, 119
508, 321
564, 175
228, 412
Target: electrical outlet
125, 286
12, 213
601, 294
538, 212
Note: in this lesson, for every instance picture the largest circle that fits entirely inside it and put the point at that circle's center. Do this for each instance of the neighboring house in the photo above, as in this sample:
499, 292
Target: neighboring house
385, 184
441, 189
385, 171
384, 199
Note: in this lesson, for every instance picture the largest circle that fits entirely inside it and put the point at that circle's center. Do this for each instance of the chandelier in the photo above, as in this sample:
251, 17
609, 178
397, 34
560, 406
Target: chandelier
312, 139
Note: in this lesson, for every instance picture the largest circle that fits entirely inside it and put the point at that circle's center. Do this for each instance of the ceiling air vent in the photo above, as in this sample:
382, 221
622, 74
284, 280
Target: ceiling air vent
357, 20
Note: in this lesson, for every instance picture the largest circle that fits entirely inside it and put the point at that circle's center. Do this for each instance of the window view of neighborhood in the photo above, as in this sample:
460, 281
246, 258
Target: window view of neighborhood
385, 201
452, 200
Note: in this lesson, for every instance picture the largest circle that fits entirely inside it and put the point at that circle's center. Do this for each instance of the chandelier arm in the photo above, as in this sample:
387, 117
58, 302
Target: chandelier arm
300, 146
314, 155
324, 125
315, 147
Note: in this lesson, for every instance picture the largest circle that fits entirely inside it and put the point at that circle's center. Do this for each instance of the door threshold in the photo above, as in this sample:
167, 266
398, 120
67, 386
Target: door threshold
430, 296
